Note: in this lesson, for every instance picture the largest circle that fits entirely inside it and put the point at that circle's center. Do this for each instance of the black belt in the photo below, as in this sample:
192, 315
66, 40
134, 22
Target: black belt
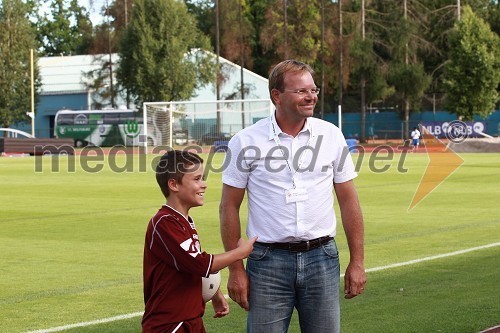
299, 246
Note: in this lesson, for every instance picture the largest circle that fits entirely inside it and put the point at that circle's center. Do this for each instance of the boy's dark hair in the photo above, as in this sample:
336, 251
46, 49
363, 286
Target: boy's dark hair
173, 165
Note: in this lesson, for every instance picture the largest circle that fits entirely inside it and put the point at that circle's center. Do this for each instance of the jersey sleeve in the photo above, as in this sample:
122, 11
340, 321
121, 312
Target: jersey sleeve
177, 244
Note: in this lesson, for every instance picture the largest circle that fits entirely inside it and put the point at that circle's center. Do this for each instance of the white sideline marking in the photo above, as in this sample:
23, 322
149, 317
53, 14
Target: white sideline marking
439, 256
491, 329
375, 269
89, 323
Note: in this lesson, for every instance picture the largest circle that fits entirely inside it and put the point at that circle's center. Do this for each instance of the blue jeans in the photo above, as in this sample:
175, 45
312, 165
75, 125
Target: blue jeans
281, 280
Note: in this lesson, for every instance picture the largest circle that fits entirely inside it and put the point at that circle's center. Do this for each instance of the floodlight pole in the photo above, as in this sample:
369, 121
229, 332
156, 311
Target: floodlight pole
217, 51
285, 27
322, 102
32, 65
242, 64
111, 86
341, 74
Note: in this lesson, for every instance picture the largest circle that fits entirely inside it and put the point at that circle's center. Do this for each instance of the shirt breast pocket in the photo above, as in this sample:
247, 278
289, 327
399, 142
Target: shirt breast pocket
272, 168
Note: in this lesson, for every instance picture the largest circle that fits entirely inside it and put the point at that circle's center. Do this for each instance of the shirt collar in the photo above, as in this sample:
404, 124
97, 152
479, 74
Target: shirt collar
187, 218
274, 128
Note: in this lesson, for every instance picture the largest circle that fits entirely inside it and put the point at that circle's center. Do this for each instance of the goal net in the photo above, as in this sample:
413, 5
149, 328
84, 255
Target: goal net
177, 124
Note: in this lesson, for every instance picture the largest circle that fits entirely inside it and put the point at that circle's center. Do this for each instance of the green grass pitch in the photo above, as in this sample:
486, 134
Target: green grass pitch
71, 246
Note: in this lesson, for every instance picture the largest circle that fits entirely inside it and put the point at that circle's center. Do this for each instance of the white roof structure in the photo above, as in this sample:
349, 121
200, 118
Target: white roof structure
257, 84
65, 75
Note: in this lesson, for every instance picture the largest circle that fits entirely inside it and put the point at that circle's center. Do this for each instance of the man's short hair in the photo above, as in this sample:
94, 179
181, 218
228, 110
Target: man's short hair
277, 75
173, 165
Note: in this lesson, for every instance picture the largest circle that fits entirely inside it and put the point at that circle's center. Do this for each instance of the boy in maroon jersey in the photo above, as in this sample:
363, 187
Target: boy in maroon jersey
173, 260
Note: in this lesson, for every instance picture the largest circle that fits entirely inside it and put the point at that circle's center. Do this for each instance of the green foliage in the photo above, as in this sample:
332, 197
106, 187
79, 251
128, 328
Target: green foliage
494, 16
204, 12
106, 41
303, 31
483, 9
16, 40
236, 36
410, 80
440, 20
65, 30
154, 48
366, 62
262, 61
473, 72
162, 54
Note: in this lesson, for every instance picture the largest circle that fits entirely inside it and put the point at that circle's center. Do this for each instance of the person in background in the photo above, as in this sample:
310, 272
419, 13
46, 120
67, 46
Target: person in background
415, 138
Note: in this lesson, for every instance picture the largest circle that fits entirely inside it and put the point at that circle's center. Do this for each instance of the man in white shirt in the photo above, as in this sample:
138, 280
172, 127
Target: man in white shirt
288, 164
415, 136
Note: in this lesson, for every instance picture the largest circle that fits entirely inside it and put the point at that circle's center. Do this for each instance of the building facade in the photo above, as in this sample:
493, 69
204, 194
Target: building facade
66, 85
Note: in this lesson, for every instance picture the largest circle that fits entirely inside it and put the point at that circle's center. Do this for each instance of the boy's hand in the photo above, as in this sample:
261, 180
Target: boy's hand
246, 246
221, 307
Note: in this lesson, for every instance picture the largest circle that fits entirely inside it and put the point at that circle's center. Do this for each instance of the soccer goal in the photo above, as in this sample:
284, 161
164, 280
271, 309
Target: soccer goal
175, 124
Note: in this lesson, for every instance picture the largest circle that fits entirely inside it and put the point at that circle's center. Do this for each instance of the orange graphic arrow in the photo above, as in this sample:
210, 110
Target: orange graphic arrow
443, 161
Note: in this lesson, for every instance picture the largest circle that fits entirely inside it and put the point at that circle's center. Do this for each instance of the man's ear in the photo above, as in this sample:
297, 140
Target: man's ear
172, 185
275, 95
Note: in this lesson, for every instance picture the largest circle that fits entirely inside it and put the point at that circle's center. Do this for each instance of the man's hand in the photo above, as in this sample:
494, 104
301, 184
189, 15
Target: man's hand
352, 220
355, 280
238, 287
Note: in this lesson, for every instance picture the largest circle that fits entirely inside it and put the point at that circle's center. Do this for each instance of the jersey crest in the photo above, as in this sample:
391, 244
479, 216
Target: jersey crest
192, 247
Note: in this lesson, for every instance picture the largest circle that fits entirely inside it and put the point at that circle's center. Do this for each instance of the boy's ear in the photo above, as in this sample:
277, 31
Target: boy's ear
172, 185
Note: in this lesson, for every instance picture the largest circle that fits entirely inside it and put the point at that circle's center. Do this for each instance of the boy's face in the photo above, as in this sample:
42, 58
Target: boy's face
192, 189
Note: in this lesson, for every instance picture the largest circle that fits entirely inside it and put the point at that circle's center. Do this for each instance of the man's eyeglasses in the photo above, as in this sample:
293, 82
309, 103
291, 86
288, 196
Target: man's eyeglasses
303, 92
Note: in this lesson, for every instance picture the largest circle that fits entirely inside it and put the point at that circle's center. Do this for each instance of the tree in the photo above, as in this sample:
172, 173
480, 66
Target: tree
293, 31
494, 16
100, 83
473, 72
161, 54
16, 40
368, 69
107, 35
368, 72
235, 33
406, 73
106, 41
257, 16
65, 30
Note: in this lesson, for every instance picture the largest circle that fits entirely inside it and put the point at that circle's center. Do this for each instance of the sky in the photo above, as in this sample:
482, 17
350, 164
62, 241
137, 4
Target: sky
94, 11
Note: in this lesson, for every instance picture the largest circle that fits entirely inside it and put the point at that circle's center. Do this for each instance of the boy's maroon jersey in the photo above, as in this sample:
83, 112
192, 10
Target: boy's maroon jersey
173, 267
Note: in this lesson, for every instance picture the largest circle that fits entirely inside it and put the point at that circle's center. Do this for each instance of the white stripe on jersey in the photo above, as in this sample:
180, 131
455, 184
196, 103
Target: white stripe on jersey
178, 326
161, 239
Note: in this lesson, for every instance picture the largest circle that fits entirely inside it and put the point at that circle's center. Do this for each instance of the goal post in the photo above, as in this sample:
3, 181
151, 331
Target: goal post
178, 124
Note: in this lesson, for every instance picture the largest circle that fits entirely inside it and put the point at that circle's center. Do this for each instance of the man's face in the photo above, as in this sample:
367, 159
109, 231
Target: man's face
296, 105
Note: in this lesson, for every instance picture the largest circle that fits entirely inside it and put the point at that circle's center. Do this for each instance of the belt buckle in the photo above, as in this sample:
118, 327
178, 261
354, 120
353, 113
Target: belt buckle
307, 246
